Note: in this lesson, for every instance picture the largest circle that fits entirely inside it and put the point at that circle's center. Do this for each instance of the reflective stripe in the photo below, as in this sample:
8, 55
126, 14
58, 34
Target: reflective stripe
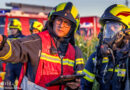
120, 72
9, 53
68, 62
47, 55
94, 61
117, 66
111, 70
12, 38
79, 72
88, 76
105, 57
116, 70
79, 61
56, 59
105, 60
93, 58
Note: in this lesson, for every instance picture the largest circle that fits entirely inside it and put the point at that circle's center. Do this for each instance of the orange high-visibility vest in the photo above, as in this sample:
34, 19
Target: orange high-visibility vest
49, 67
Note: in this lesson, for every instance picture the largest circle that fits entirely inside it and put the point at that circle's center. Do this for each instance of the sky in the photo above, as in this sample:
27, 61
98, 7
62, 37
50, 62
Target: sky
85, 7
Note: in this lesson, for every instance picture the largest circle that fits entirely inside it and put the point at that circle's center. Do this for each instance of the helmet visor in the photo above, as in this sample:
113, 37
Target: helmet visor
111, 29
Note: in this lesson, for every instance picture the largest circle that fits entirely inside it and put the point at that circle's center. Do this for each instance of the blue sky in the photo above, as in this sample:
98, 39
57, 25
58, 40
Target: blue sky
85, 7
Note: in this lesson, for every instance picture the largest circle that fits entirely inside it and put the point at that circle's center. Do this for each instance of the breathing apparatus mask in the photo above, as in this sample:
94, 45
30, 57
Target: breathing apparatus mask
112, 33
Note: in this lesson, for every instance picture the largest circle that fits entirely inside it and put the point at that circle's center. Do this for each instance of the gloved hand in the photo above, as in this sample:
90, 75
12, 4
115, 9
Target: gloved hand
104, 50
3, 39
121, 39
73, 85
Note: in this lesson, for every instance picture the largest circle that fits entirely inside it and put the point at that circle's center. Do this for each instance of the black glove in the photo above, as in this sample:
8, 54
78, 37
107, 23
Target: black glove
104, 50
3, 42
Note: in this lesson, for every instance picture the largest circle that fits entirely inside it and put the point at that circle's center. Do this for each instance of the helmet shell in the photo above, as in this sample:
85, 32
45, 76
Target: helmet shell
36, 25
15, 24
66, 10
116, 12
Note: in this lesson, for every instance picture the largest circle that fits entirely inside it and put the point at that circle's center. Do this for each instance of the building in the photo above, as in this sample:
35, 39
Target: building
30, 9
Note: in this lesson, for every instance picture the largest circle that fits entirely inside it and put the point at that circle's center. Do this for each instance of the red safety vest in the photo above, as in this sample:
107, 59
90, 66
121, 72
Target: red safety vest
49, 67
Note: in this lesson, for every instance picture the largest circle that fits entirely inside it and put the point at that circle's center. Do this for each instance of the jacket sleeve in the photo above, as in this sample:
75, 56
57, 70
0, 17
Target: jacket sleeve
88, 79
21, 50
79, 61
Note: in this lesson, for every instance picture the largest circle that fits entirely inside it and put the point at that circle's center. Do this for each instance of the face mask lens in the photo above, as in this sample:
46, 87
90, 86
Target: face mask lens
111, 29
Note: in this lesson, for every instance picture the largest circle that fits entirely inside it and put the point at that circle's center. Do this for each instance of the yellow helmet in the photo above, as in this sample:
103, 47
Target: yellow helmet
36, 25
66, 10
15, 24
116, 12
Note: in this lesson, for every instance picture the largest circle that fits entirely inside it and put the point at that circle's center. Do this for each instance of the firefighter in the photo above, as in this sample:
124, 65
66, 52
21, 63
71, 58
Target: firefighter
36, 27
50, 53
13, 70
108, 64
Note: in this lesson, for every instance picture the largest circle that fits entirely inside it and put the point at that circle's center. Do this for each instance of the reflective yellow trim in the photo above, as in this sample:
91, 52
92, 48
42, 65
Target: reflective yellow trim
50, 55
88, 76
12, 38
105, 57
56, 59
116, 70
80, 71
71, 61
93, 58
9, 53
13, 62
105, 60
79, 61
117, 66
121, 72
68, 62
111, 70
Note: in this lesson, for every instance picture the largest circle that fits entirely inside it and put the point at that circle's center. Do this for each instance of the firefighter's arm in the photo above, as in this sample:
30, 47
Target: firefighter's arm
88, 79
79, 61
79, 65
6, 51
20, 50
2, 40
